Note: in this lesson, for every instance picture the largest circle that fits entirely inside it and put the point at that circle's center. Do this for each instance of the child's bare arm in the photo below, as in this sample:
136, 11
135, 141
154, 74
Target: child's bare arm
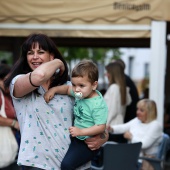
63, 89
94, 130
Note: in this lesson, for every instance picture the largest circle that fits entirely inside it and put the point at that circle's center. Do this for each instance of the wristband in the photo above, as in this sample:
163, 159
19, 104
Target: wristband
31, 80
13, 123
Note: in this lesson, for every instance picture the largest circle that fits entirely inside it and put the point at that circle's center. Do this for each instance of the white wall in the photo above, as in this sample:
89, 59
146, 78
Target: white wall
141, 56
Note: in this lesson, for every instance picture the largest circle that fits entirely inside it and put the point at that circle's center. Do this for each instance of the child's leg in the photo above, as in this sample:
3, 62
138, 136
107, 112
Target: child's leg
77, 155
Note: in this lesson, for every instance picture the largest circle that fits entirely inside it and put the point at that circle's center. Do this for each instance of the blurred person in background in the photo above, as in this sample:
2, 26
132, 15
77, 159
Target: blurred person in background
131, 108
11, 120
117, 97
144, 128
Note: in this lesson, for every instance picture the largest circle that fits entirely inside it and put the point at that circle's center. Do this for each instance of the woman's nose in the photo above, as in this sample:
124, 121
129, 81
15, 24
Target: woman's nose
35, 55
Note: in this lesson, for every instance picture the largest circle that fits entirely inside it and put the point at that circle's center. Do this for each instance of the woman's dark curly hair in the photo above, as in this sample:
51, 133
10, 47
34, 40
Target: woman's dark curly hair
45, 43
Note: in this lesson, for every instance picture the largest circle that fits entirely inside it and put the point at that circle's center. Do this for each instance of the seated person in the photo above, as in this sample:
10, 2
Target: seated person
144, 128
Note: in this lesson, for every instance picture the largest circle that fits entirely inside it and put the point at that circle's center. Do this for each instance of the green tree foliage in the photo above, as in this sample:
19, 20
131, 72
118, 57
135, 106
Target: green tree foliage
116, 53
73, 53
95, 54
6, 57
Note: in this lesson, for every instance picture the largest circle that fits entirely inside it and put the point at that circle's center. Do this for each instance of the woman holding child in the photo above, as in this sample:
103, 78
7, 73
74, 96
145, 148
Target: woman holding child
44, 127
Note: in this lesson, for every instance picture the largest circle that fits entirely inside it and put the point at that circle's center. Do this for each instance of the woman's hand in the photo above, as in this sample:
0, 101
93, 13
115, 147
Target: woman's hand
127, 135
61, 68
9, 122
16, 126
97, 141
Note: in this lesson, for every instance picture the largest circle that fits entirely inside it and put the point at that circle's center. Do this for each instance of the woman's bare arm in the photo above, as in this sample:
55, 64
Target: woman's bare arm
39, 76
9, 122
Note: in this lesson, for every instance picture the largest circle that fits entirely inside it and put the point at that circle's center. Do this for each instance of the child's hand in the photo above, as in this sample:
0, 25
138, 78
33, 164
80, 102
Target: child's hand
74, 131
49, 95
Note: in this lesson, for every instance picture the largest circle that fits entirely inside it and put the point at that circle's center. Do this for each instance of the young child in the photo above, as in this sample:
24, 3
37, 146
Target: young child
90, 112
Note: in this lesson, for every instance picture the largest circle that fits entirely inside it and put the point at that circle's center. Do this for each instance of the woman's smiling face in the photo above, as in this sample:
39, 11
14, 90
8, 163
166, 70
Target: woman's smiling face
37, 56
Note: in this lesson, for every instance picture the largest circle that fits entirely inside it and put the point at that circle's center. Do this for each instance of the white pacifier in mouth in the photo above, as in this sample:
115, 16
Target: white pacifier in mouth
78, 95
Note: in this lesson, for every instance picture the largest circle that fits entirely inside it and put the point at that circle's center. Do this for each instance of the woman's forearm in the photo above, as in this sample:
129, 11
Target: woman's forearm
9, 122
45, 71
39, 76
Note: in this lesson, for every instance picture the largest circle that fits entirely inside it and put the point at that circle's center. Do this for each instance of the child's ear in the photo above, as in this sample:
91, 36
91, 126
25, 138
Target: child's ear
95, 84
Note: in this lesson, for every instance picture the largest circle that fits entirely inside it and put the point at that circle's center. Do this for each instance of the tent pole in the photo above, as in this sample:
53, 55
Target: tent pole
157, 66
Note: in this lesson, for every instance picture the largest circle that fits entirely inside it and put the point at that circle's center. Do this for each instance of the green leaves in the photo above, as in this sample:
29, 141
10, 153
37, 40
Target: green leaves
95, 54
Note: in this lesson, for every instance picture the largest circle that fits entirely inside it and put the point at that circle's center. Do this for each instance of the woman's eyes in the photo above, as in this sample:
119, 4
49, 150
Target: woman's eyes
32, 52
41, 52
141, 110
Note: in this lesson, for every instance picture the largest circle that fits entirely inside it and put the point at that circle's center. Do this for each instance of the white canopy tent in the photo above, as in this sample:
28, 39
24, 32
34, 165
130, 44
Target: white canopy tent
97, 19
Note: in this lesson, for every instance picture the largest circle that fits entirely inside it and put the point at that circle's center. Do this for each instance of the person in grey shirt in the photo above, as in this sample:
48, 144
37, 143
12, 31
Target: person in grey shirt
44, 127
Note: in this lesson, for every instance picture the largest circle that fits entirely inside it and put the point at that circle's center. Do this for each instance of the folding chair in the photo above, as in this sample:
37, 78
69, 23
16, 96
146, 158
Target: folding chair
158, 162
119, 156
